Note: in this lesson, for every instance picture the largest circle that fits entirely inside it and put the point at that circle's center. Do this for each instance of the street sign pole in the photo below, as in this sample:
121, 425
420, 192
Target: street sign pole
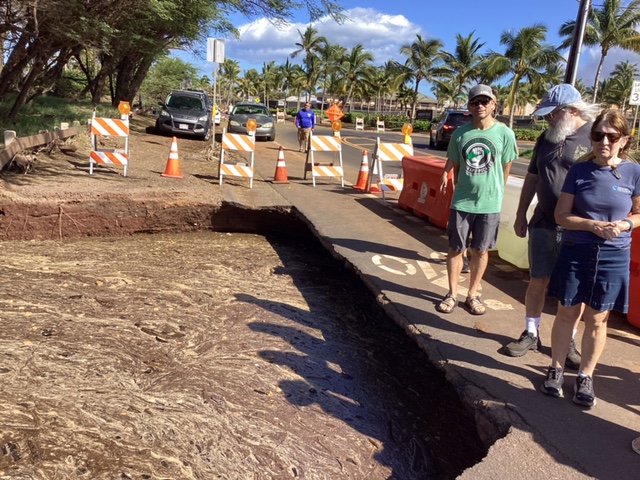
634, 99
215, 54
576, 44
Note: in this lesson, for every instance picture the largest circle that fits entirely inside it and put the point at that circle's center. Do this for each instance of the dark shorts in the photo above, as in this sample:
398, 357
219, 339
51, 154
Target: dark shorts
544, 245
593, 274
482, 227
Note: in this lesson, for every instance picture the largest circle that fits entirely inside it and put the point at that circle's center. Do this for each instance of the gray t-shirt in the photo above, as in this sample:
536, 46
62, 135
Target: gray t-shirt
551, 162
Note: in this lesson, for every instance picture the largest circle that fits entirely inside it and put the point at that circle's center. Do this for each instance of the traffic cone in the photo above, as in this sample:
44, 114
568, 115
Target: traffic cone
363, 174
172, 169
281, 169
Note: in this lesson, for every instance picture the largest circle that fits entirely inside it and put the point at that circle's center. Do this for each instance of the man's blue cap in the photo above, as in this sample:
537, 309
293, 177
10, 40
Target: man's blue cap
558, 96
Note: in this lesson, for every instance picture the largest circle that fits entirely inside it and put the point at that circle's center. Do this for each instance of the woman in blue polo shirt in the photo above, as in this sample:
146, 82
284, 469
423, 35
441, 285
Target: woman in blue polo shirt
597, 209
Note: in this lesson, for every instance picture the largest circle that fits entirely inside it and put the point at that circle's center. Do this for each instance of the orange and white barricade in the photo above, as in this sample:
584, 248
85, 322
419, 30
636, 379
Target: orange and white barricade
331, 145
359, 123
389, 152
241, 143
109, 127
379, 126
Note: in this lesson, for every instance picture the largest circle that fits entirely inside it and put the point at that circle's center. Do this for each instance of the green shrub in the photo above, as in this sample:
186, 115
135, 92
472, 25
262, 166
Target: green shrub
526, 134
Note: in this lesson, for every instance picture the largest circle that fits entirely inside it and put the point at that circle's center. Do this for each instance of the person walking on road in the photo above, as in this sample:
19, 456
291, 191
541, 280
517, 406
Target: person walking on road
305, 123
480, 154
598, 208
556, 150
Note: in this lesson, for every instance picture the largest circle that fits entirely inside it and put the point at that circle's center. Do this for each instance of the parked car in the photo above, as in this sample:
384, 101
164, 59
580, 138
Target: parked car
241, 112
185, 112
442, 131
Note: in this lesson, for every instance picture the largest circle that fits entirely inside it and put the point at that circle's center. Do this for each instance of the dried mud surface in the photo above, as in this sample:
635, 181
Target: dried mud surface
201, 355
211, 355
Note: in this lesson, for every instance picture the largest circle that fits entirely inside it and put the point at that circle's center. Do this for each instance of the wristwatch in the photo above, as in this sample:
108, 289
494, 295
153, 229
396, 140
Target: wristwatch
629, 222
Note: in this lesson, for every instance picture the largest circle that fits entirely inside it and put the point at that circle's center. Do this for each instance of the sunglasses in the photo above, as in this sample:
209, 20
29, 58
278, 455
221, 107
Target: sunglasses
483, 102
612, 137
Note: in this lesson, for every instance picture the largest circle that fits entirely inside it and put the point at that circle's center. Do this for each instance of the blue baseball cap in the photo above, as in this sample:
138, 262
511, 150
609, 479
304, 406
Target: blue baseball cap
558, 96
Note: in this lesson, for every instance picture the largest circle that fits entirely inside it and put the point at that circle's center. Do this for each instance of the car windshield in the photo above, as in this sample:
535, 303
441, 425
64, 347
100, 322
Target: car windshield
458, 119
185, 102
250, 110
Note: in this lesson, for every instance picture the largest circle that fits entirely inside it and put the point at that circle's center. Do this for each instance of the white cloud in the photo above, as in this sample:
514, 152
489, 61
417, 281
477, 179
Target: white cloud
380, 34
590, 57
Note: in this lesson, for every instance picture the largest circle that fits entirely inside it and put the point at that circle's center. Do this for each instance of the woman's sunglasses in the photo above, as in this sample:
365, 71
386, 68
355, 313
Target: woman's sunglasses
612, 137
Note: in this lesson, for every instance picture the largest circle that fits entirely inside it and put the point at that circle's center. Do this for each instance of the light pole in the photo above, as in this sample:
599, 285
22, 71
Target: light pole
576, 44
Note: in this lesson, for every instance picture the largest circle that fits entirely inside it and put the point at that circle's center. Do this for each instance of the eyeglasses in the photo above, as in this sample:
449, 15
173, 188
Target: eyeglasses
612, 137
483, 102
558, 110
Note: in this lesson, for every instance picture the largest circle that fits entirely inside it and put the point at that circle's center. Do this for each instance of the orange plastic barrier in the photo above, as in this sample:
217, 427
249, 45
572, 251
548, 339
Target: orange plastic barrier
421, 193
633, 315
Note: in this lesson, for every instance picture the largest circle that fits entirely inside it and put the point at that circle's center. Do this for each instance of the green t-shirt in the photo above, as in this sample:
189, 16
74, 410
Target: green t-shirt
480, 156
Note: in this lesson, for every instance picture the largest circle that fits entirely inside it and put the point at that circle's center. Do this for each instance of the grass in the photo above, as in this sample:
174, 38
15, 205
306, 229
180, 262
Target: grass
46, 113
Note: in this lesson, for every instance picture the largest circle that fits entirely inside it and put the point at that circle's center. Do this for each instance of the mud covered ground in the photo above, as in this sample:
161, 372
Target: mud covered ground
211, 355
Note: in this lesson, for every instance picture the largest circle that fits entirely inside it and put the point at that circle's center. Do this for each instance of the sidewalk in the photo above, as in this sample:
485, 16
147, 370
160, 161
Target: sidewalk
401, 259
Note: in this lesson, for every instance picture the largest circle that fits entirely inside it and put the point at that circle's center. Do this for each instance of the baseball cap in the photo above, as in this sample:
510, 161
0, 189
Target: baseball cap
481, 90
558, 96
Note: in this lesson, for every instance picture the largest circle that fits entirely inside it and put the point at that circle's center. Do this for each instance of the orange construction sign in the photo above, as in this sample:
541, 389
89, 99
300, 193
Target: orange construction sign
334, 113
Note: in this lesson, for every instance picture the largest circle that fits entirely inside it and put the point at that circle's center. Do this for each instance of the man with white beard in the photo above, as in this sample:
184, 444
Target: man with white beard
557, 148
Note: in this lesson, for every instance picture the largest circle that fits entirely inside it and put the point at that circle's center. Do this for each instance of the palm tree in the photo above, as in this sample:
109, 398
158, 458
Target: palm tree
355, 68
620, 83
461, 67
331, 57
526, 57
423, 56
230, 71
610, 25
310, 44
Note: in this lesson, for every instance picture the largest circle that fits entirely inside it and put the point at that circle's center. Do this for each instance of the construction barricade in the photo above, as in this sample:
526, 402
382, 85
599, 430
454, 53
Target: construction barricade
279, 117
240, 143
388, 152
633, 315
359, 123
324, 144
421, 194
379, 126
109, 127
512, 248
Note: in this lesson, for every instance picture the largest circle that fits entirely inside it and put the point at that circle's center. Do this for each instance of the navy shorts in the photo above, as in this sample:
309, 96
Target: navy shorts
594, 274
482, 227
544, 245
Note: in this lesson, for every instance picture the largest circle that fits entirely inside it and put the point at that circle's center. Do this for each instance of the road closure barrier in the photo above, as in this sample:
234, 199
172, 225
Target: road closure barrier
387, 152
109, 127
379, 126
421, 194
633, 315
325, 145
240, 143
512, 248
359, 123
279, 117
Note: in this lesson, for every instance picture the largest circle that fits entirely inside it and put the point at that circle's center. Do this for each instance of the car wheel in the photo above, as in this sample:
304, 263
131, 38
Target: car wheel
207, 135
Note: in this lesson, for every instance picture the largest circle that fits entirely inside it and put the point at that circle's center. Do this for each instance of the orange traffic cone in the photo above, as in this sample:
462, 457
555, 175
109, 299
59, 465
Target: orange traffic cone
172, 169
281, 169
363, 174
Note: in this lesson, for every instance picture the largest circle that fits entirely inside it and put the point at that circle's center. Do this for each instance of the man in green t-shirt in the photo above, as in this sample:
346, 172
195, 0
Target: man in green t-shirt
480, 154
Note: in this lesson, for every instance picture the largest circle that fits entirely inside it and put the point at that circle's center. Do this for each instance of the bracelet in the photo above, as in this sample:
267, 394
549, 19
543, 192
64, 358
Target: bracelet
629, 222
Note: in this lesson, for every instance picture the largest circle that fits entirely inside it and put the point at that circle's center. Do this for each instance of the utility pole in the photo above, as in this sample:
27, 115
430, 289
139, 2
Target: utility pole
576, 44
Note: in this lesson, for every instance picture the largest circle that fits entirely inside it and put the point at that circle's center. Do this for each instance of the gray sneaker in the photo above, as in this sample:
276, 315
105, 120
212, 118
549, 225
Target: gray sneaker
573, 357
527, 341
553, 384
583, 392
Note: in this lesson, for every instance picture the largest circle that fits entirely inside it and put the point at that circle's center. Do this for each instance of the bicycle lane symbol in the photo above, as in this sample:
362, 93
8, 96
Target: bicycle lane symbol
438, 277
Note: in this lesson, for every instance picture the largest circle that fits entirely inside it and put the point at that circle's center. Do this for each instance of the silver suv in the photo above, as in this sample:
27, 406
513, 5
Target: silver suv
186, 112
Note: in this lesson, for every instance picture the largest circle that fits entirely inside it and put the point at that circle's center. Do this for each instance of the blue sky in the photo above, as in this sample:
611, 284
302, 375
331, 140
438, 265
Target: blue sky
382, 27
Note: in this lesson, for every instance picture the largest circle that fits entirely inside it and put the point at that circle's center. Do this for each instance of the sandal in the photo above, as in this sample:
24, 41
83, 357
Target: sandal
447, 305
475, 306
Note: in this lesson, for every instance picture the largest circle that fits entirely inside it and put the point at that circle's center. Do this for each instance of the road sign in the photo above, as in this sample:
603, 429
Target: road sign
634, 99
215, 50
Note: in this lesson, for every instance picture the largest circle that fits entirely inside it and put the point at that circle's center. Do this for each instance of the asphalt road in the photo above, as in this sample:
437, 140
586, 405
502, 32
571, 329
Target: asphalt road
354, 142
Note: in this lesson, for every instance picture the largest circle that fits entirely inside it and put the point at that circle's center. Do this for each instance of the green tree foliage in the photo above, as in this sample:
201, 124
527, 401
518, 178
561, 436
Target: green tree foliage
165, 75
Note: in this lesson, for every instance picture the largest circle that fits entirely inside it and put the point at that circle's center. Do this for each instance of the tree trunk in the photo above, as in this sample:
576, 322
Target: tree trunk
36, 68
596, 80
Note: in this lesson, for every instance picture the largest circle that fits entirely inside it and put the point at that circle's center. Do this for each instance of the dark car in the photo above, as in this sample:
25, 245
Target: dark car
186, 112
241, 112
442, 131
